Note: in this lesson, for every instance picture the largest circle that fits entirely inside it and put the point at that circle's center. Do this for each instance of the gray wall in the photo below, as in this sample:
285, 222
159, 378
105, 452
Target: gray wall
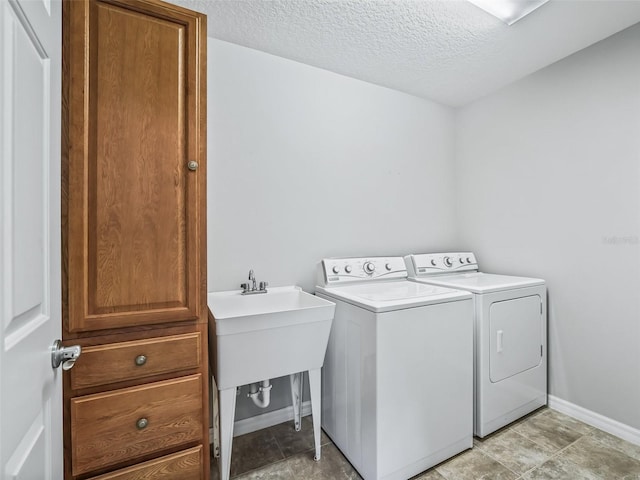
547, 183
549, 186
305, 164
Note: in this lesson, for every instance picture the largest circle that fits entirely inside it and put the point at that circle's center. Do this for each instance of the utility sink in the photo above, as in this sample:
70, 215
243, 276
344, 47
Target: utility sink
262, 336
269, 335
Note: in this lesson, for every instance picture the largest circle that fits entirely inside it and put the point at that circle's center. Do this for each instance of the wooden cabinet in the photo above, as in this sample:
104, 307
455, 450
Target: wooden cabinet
136, 119
134, 259
179, 466
137, 359
112, 427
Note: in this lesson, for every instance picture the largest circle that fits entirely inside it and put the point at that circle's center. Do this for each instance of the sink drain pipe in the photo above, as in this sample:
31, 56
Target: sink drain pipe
255, 392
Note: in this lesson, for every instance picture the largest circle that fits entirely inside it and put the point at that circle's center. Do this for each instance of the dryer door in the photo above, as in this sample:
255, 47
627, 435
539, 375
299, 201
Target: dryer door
516, 336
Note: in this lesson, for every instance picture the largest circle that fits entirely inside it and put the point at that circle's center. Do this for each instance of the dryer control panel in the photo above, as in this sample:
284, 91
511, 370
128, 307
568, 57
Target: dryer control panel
436, 263
333, 271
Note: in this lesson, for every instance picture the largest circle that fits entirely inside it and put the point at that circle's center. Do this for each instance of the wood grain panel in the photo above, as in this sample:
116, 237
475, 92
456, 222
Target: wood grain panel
134, 233
116, 362
135, 211
186, 465
103, 425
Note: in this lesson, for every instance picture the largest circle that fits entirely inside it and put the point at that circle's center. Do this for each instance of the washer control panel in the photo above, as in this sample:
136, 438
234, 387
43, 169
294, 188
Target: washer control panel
344, 270
434, 263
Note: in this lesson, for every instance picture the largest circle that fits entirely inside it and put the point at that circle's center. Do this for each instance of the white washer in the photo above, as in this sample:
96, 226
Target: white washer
510, 375
397, 381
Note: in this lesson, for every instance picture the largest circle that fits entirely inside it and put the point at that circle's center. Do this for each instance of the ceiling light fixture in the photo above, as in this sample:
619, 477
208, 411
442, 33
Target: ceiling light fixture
509, 11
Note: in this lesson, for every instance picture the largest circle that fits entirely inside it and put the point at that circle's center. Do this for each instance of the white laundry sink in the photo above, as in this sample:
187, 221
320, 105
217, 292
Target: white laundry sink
262, 336
268, 335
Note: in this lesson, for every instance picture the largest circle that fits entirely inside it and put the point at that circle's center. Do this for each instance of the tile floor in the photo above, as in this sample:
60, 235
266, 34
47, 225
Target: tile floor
544, 445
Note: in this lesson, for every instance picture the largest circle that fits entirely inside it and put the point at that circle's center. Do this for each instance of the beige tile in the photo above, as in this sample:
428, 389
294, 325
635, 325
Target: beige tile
561, 469
254, 450
275, 471
332, 466
529, 415
547, 432
515, 451
474, 465
292, 442
568, 421
608, 462
616, 443
511, 451
479, 442
429, 475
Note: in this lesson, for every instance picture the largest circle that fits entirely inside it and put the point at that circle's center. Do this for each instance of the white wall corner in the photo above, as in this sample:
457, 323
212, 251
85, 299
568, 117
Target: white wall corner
594, 419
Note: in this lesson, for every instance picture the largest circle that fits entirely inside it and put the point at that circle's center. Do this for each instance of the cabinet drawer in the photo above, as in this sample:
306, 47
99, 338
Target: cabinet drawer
116, 362
109, 428
186, 465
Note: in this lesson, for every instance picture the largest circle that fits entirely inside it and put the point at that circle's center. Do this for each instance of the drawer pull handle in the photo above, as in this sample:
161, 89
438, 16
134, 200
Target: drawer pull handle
141, 360
142, 423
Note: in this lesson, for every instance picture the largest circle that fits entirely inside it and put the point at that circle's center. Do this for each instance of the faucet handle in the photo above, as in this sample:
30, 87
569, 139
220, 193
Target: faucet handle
244, 286
264, 285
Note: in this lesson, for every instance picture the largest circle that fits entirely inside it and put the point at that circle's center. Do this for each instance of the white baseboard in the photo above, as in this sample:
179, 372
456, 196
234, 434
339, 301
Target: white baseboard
269, 419
594, 419
265, 420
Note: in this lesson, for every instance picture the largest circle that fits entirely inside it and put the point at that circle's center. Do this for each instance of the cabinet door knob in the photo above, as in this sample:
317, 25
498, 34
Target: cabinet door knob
141, 360
192, 165
142, 423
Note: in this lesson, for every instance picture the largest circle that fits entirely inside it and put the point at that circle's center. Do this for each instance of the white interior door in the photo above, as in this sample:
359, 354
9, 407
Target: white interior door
30, 318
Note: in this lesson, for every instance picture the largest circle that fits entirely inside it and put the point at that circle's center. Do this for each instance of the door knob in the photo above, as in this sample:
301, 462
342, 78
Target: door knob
192, 165
66, 356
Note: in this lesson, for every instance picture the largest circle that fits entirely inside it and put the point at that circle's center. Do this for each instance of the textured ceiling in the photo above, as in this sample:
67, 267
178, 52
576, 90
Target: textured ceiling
446, 50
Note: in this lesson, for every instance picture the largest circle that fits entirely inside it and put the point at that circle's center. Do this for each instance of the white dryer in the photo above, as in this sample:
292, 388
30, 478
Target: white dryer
397, 381
510, 347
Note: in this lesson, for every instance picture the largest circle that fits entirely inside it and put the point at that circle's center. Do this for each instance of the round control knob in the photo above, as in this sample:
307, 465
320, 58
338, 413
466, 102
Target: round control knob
433, 262
347, 269
447, 261
336, 269
461, 260
468, 260
369, 267
388, 267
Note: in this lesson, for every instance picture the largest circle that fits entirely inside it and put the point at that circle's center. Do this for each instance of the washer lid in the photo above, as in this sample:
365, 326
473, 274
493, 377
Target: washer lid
386, 296
478, 282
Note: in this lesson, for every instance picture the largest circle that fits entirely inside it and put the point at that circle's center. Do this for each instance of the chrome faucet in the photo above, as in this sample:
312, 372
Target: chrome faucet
252, 278
252, 288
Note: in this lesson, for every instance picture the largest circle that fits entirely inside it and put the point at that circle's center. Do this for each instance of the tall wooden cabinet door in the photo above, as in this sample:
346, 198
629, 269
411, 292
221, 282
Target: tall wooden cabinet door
135, 201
